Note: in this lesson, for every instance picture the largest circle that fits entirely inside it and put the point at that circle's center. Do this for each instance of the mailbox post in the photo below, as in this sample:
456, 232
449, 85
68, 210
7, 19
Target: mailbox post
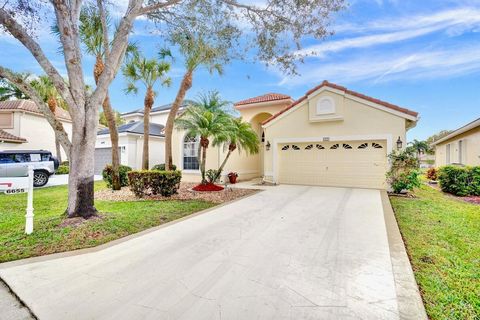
29, 215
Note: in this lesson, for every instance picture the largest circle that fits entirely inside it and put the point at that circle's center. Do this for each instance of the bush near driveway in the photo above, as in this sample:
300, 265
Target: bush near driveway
148, 182
403, 173
53, 232
442, 237
122, 170
161, 167
63, 170
460, 181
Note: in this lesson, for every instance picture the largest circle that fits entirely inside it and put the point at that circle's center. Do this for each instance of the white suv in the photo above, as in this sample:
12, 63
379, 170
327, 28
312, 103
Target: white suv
14, 163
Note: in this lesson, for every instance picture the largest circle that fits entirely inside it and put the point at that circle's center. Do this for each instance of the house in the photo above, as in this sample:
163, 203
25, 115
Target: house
157, 114
130, 142
332, 136
461, 147
23, 126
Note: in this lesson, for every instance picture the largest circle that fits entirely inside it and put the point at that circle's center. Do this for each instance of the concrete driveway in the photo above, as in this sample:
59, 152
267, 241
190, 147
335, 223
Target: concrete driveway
62, 179
289, 252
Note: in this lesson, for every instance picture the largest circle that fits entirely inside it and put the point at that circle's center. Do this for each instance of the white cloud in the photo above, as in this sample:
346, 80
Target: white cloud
427, 64
454, 22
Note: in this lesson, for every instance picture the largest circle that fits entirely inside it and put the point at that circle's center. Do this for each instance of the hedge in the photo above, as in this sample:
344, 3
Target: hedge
147, 182
460, 181
122, 170
161, 167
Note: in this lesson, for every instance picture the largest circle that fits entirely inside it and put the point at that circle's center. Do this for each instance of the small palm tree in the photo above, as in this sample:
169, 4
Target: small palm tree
240, 137
198, 121
47, 91
196, 52
419, 147
9, 91
148, 72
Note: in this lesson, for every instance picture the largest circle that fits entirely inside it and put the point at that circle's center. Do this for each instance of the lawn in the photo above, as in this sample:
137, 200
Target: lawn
442, 236
54, 233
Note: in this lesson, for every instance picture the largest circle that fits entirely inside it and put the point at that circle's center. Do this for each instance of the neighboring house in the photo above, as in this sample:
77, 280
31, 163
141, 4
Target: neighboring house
426, 160
130, 142
157, 114
461, 147
23, 126
331, 136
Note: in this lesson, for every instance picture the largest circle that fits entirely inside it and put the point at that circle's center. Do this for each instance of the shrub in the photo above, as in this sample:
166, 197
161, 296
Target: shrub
62, 169
65, 163
161, 167
460, 181
147, 182
432, 174
122, 170
211, 175
403, 173
404, 181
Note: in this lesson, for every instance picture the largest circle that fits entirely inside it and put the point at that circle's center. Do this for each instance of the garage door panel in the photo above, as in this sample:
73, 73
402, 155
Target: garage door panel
350, 163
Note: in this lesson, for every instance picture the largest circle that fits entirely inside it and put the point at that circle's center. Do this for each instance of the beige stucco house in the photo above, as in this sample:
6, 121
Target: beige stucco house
23, 126
461, 147
331, 136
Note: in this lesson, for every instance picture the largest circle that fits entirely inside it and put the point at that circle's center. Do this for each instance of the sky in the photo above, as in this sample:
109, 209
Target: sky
421, 55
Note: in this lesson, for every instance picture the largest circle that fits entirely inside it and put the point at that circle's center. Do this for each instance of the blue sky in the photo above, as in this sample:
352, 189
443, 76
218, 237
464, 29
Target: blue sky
422, 55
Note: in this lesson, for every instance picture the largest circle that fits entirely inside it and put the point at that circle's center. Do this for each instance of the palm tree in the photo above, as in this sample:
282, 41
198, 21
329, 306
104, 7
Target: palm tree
45, 88
9, 91
196, 52
198, 121
419, 147
241, 137
148, 72
95, 42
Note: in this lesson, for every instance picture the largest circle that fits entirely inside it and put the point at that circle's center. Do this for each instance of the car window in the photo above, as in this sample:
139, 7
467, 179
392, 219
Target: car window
35, 157
46, 156
22, 157
6, 158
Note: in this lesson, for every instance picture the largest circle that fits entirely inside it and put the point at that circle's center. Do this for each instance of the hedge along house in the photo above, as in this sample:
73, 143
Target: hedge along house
331, 136
461, 147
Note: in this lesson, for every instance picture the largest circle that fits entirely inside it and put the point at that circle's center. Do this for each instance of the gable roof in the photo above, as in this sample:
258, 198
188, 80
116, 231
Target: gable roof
263, 98
346, 91
8, 137
137, 127
469, 126
30, 106
164, 107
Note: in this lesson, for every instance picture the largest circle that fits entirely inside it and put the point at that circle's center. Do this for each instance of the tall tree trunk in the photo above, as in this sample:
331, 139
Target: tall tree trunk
81, 183
185, 85
204, 142
149, 100
112, 127
231, 148
52, 105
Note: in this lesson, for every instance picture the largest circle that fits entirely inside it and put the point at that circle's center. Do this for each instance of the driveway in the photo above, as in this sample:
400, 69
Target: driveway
290, 252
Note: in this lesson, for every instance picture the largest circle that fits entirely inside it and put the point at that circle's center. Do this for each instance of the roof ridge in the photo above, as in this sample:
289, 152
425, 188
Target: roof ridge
326, 83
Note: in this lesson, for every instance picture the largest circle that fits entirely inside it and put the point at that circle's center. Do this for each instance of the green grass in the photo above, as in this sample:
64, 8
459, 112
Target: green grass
442, 236
118, 219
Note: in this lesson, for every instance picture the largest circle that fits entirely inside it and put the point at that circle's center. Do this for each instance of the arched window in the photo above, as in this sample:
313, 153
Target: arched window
190, 153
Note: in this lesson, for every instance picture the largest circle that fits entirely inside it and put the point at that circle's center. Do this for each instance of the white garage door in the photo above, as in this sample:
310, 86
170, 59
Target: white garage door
360, 164
103, 156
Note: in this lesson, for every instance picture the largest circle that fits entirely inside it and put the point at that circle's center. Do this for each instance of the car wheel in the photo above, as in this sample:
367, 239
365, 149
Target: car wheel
40, 178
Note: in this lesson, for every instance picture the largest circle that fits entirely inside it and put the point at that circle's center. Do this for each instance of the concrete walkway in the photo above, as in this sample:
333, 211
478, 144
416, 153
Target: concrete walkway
289, 252
62, 179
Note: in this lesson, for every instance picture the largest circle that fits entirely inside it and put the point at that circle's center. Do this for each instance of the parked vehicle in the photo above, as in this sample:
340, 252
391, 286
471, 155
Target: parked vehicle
14, 163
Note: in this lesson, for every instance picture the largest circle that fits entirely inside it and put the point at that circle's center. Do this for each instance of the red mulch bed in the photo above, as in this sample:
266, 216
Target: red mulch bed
207, 187
472, 199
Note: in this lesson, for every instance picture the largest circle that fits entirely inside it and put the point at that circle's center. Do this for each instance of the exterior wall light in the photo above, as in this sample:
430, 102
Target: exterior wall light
399, 143
267, 146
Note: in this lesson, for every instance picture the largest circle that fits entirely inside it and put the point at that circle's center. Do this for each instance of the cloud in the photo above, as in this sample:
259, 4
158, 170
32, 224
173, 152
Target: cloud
454, 22
428, 64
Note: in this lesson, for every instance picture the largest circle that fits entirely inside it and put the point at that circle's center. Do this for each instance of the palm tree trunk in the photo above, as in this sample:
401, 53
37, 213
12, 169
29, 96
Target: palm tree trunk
202, 165
185, 85
52, 105
231, 148
112, 127
149, 100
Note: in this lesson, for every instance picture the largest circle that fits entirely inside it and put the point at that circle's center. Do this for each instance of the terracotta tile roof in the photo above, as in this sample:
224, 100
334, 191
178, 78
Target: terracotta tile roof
263, 98
347, 91
30, 106
5, 136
